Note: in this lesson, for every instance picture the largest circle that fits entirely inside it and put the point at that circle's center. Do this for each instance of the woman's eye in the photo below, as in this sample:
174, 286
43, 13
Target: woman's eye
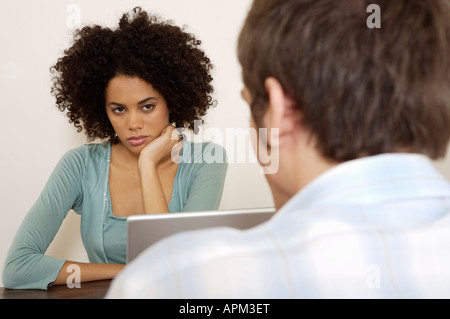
148, 107
119, 110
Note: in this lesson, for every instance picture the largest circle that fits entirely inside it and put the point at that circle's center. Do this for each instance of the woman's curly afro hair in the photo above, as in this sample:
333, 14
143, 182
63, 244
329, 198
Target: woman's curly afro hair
143, 46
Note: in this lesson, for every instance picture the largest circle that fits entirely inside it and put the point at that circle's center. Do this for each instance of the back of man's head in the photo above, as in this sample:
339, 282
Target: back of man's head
360, 90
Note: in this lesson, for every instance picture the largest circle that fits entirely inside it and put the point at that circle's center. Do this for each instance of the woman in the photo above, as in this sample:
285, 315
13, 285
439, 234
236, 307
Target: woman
130, 88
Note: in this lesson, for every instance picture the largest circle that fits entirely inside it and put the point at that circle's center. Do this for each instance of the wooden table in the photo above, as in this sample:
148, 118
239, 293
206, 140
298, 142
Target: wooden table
88, 290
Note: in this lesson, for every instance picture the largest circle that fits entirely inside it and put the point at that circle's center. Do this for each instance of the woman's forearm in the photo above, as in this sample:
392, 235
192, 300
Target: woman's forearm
85, 272
152, 190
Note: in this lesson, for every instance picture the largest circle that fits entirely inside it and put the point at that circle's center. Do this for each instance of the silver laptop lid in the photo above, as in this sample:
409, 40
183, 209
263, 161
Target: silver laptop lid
145, 230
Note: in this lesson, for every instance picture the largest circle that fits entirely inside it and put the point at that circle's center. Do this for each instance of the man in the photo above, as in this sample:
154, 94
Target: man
362, 213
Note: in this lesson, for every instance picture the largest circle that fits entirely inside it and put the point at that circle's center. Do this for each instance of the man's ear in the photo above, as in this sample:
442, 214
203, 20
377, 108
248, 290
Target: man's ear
281, 113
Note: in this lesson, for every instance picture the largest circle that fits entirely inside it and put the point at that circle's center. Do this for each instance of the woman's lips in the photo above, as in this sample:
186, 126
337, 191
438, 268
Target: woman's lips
137, 140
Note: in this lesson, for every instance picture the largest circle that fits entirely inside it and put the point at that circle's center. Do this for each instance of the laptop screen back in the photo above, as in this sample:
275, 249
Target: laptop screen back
145, 230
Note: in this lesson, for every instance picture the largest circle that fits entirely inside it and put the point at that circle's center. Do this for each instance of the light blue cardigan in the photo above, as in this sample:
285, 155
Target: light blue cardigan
80, 182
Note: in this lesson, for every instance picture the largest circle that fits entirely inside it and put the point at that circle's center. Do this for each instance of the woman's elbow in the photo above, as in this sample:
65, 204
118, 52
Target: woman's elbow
11, 277
19, 272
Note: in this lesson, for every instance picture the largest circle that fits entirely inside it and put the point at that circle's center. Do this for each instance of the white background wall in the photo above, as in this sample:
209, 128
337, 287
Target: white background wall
34, 134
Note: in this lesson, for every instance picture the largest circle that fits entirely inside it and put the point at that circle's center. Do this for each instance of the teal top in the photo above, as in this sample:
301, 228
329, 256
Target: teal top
80, 182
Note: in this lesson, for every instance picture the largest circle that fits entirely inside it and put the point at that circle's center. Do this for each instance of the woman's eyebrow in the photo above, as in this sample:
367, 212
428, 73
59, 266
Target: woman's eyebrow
116, 104
152, 98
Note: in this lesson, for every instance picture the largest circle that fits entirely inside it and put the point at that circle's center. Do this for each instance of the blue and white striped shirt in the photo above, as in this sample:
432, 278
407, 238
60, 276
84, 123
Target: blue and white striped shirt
376, 227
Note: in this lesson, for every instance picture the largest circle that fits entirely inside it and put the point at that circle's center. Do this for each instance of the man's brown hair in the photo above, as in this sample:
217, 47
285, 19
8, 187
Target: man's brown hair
360, 91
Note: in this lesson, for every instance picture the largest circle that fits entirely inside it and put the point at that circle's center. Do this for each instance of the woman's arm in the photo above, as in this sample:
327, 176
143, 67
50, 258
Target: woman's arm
208, 178
157, 151
87, 272
152, 190
27, 266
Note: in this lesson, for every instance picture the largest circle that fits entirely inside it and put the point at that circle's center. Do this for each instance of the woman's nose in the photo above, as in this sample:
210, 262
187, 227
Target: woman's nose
134, 121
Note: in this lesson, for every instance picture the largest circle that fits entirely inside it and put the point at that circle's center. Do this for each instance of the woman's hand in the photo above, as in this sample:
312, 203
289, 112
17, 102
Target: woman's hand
88, 272
164, 148
168, 143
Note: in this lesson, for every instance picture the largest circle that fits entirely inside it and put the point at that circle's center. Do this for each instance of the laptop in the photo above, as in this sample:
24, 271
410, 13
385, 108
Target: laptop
145, 230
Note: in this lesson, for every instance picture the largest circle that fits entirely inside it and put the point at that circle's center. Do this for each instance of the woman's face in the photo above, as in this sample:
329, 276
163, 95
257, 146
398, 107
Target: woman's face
137, 112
